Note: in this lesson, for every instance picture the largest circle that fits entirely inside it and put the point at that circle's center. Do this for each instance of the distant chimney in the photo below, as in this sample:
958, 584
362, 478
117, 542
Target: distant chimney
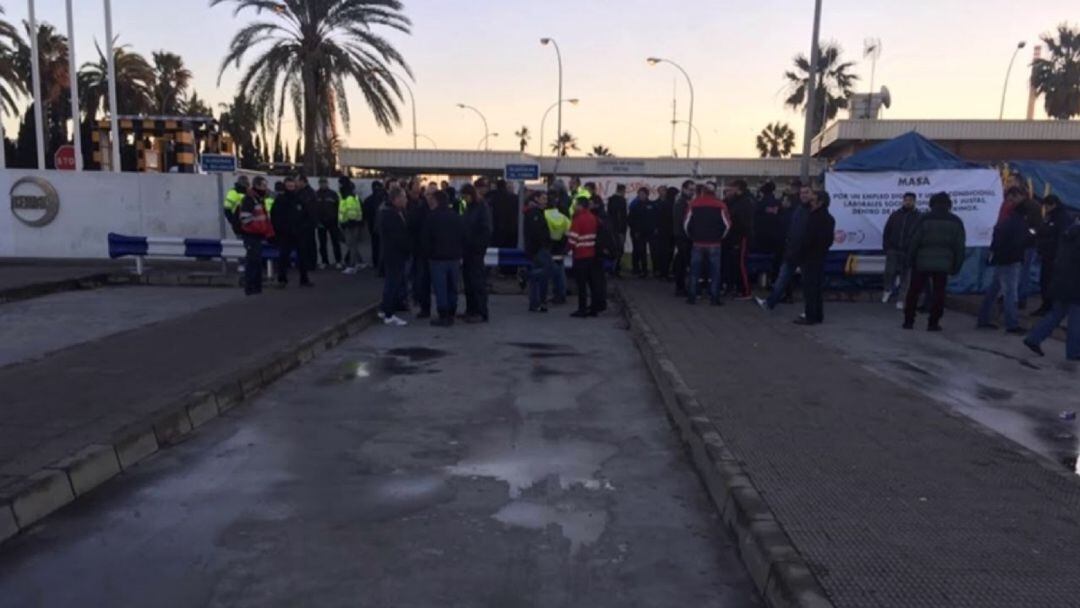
1032, 95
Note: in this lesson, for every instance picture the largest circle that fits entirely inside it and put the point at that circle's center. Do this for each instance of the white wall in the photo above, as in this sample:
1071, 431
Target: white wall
92, 204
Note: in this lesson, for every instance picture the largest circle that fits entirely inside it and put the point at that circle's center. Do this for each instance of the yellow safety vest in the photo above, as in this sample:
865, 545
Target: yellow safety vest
557, 223
350, 210
233, 200
268, 202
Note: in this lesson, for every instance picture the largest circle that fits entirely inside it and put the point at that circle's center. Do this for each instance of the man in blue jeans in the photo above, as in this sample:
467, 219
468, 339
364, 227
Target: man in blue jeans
792, 245
537, 250
1011, 240
707, 224
1065, 294
443, 238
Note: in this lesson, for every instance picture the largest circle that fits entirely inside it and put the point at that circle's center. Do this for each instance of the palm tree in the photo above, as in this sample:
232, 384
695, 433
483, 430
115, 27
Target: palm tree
1058, 76
194, 106
601, 151
12, 85
171, 81
241, 122
835, 84
564, 144
134, 83
523, 136
776, 140
309, 48
55, 90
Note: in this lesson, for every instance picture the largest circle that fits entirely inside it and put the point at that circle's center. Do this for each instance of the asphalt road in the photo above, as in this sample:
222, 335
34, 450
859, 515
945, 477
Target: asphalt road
523, 463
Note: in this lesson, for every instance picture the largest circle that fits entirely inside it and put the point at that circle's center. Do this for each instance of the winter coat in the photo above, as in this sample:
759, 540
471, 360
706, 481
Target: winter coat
288, 216
1011, 239
478, 228
329, 201
741, 208
642, 218
707, 221
899, 229
443, 236
312, 211
372, 205
1048, 235
537, 235
617, 211
818, 239
394, 232
769, 224
938, 242
796, 232
679, 213
582, 235
665, 219
504, 212
1066, 285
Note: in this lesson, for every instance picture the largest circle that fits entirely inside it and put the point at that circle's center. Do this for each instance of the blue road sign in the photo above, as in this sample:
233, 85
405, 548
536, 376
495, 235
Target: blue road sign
522, 172
218, 163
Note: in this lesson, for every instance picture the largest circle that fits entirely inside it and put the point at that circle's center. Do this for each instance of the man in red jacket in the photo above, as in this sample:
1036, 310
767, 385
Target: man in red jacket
588, 268
254, 226
707, 224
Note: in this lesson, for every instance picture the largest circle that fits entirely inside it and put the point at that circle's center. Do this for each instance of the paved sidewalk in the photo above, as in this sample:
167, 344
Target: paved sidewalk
83, 394
892, 500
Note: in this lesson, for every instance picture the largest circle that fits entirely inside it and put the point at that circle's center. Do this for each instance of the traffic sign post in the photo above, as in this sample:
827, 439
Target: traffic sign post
218, 163
521, 172
64, 159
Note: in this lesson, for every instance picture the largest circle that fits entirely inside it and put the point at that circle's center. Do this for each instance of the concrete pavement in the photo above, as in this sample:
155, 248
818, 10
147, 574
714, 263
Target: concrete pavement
522, 463
891, 496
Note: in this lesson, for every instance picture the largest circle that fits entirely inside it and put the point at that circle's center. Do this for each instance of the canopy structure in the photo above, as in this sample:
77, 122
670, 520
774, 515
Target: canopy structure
909, 152
1046, 177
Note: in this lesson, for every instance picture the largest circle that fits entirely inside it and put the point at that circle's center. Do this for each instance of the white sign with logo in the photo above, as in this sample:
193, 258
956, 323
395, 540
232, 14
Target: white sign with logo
862, 202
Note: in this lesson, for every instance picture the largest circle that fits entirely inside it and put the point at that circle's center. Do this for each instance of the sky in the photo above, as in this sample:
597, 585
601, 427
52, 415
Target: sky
940, 59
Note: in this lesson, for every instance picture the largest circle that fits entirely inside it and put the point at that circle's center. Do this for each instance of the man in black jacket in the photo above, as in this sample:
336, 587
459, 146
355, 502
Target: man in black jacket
478, 229
1007, 249
1065, 293
537, 249
816, 242
896, 241
306, 232
617, 213
328, 203
641, 220
1048, 236
663, 244
291, 223
396, 248
683, 244
443, 239
504, 215
736, 246
372, 205
770, 227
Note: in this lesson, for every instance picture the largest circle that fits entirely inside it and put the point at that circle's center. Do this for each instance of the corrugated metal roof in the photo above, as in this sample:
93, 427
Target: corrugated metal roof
462, 161
948, 130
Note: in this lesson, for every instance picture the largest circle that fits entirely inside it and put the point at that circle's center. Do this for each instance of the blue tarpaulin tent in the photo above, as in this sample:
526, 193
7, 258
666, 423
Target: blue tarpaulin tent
1060, 178
909, 152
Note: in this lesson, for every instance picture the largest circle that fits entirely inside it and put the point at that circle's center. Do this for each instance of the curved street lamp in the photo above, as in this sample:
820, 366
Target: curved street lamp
559, 97
543, 120
483, 142
412, 103
481, 115
690, 121
700, 142
433, 144
1005, 88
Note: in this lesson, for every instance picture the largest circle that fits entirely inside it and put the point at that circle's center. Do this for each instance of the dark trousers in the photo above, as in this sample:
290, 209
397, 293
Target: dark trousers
813, 289
640, 256
392, 285
444, 278
919, 282
286, 248
661, 256
589, 275
253, 264
306, 250
376, 250
1046, 280
620, 251
422, 284
683, 247
332, 233
476, 299
736, 277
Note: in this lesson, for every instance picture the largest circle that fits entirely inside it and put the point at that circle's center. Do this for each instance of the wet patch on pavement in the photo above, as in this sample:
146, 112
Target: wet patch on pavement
1003, 355
990, 393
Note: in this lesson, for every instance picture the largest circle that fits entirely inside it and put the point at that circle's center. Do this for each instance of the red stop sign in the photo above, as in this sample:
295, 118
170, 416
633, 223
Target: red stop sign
65, 158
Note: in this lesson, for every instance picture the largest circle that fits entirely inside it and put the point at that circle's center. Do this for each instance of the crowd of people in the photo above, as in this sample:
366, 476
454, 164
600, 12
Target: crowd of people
427, 238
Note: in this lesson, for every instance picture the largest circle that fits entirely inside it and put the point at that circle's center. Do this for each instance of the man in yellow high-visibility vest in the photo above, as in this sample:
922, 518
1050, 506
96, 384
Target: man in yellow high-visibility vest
232, 201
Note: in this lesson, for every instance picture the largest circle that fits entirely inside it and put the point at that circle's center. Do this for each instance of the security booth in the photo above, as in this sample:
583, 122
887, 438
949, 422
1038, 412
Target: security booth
161, 142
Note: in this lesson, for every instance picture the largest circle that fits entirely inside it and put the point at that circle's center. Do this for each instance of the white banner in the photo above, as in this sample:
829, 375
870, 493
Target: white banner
605, 185
862, 202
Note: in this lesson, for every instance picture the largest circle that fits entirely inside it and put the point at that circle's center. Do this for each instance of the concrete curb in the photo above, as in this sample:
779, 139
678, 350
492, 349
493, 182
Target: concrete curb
779, 572
37, 290
30, 500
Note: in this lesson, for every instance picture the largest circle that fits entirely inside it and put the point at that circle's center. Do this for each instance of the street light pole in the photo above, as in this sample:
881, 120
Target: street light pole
73, 72
412, 102
35, 69
811, 92
690, 120
1008, 72
484, 142
543, 120
700, 142
114, 126
558, 55
481, 115
434, 144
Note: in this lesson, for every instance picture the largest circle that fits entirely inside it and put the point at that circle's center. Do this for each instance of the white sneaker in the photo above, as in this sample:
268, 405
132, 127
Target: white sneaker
339, 266
395, 320
900, 306
381, 315
763, 304
885, 297
349, 270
